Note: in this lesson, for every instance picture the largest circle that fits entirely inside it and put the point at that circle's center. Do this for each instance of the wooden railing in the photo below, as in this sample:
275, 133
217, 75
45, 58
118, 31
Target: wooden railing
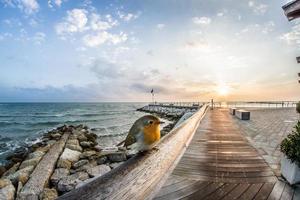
142, 176
264, 104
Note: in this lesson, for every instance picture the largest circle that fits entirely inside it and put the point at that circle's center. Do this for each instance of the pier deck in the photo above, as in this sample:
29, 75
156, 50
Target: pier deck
221, 164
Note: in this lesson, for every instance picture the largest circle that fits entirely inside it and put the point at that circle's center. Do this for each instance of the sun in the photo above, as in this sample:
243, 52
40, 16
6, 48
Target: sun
223, 90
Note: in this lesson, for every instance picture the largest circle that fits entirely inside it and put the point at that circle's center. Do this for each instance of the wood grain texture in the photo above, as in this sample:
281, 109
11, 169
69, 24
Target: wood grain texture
143, 175
222, 160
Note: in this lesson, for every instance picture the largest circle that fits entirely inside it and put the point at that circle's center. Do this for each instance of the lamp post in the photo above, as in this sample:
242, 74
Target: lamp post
292, 11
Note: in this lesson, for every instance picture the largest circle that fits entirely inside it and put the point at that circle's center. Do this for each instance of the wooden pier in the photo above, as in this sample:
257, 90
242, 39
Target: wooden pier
206, 157
220, 164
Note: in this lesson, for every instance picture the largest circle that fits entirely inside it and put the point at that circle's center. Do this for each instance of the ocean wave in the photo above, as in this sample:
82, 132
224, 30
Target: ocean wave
7, 123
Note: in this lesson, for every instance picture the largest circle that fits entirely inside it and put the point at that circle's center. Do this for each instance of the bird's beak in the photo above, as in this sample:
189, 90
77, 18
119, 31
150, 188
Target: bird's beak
161, 122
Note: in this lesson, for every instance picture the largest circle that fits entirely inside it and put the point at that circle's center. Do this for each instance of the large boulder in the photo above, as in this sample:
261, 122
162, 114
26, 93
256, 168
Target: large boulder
22, 172
117, 157
88, 154
48, 194
80, 163
58, 174
36, 154
12, 170
70, 155
69, 183
7, 190
87, 144
98, 170
30, 162
74, 147
64, 164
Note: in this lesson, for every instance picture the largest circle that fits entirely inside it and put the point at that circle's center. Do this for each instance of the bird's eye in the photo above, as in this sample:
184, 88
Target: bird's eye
150, 122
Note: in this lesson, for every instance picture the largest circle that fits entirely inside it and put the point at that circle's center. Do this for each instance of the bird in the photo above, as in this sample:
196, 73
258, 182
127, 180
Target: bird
144, 134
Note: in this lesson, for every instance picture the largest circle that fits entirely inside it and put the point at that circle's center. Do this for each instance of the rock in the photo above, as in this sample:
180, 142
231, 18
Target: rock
48, 194
51, 142
23, 178
81, 137
84, 168
86, 144
115, 165
55, 136
73, 141
70, 155
87, 154
109, 150
74, 147
58, 174
91, 137
101, 160
4, 183
64, 164
68, 183
98, 170
44, 149
80, 163
122, 148
19, 188
22, 172
19, 153
31, 162
36, 154
98, 148
7, 192
117, 157
12, 170
2, 170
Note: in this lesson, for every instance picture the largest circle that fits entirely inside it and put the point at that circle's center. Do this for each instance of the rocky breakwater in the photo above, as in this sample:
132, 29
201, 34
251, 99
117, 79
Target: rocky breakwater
172, 113
66, 158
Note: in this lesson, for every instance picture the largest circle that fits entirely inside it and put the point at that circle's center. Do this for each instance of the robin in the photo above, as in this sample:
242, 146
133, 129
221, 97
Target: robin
144, 133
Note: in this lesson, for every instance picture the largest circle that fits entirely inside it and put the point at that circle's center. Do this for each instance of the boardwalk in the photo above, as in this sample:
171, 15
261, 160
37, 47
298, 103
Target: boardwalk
221, 164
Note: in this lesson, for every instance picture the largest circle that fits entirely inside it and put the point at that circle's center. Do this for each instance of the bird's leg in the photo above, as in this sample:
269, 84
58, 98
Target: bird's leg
155, 148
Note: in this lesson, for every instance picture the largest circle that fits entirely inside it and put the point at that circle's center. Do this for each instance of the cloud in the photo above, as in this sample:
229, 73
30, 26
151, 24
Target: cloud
264, 28
128, 17
258, 8
94, 28
75, 21
39, 38
93, 40
160, 26
27, 6
293, 36
201, 20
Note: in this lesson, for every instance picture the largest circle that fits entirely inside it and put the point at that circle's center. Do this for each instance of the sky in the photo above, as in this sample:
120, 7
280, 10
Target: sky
185, 50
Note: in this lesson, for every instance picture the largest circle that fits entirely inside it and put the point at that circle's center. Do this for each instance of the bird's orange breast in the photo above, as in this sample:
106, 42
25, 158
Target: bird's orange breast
151, 134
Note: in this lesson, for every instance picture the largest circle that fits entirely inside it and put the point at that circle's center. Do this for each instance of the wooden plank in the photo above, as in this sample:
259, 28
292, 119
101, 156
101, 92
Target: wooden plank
221, 192
200, 194
182, 192
41, 174
277, 191
251, 191
264, 191
237, 191
287, 193
144, 174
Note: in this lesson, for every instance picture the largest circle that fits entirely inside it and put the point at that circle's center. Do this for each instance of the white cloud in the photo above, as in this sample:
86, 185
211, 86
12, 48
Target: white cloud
93, 40
56, 2
265, 28
293, 36
75, 21
201, 20
94, 29
27, 6
39, 38
128, 17
258, 9
160, 26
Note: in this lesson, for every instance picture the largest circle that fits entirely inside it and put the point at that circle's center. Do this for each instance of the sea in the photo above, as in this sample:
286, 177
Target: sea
24, 123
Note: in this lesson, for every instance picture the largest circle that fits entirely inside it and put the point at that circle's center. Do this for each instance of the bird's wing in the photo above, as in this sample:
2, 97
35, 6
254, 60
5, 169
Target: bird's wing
133, 134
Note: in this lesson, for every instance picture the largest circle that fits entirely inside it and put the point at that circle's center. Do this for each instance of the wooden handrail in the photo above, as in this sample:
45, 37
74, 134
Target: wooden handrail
142, 176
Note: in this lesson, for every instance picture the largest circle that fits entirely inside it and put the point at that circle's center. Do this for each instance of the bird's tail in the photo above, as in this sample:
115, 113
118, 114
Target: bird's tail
121, 143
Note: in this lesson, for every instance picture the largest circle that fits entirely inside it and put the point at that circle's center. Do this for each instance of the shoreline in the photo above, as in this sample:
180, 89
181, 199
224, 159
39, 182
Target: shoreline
80, 160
